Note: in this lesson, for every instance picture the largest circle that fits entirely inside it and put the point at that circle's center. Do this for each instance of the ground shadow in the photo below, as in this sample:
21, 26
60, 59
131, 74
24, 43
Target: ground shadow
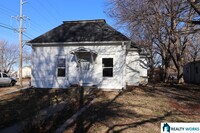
108, 110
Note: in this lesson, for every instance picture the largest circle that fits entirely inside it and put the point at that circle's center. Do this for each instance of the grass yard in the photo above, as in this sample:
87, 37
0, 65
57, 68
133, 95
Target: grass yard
140, 109
137, 109
18, 106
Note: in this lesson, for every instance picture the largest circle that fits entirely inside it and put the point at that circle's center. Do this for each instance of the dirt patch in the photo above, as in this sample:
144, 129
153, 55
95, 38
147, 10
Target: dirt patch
23, 104
5, 89
138, 109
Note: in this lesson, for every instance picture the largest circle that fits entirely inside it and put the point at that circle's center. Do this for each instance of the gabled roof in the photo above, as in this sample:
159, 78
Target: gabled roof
81, 31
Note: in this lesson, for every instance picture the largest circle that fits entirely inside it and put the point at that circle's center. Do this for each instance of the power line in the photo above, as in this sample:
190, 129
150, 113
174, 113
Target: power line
42, 16
28, 35
10, 28
15, 30
6, 13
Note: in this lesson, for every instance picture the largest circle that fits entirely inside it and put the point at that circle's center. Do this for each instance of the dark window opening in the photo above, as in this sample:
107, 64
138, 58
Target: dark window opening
61, 72
107, 62
107, 67
61, 67
107, 72
4, 75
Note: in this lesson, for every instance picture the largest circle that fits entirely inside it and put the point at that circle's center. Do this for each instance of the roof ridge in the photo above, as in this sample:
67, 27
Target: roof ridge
86, 21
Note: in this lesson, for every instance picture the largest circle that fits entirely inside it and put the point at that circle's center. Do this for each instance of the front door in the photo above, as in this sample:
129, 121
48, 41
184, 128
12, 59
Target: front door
86, 70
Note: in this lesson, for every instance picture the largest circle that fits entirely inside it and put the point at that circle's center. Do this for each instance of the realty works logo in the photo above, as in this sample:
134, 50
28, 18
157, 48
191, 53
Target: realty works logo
180, 127
166, 128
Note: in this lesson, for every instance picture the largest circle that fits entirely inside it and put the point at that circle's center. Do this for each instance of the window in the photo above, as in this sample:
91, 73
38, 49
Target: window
61, 67
4, 75
107, 67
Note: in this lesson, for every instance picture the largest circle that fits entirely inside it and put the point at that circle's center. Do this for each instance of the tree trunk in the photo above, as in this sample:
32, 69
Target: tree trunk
151, 73
167, 74
180, 79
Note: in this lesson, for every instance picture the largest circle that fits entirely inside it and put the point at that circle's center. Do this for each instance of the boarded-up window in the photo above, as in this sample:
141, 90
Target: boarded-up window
61, 67
107, 67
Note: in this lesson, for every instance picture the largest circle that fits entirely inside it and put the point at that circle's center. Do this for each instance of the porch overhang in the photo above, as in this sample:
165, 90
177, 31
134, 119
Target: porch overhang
83, 50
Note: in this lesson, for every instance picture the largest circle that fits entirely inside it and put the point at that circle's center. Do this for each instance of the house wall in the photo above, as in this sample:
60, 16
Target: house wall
45, 59
132, 68
191, 72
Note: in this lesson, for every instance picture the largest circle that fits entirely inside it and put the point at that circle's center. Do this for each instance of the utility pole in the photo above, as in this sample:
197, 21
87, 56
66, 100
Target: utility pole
2, 52
20, 18
20, 41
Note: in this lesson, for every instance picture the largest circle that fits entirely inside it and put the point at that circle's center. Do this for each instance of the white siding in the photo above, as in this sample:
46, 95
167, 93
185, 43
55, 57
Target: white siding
44, 67
132, 68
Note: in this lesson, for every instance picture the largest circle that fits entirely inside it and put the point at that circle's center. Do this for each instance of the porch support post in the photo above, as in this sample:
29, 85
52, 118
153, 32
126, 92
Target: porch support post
79, 69
92, 57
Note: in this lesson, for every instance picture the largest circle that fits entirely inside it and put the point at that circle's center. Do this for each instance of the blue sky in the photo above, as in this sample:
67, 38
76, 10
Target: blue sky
47, 14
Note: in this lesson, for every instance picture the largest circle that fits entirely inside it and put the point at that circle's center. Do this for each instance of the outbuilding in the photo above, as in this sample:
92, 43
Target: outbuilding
191, 72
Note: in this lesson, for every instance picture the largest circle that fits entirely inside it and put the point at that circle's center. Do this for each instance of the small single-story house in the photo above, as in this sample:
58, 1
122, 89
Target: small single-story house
191, 72
87, 53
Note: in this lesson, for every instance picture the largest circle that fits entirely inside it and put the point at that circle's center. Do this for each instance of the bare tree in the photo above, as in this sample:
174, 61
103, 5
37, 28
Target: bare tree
195, 5
161, 23
9, 56
27, 56
145, 21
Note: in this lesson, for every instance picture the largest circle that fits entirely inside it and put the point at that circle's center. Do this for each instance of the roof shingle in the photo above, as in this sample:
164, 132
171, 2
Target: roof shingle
81, 31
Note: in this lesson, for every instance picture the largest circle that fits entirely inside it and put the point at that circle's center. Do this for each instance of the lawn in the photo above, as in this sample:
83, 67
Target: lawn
24, 104
137, 109
140, 109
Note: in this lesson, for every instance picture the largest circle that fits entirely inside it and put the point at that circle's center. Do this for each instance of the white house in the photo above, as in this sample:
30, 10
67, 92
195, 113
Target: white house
26, 72
88, 53
191, 72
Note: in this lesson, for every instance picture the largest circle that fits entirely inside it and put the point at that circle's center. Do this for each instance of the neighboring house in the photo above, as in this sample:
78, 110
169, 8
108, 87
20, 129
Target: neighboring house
26, 72
191, 72
88, 53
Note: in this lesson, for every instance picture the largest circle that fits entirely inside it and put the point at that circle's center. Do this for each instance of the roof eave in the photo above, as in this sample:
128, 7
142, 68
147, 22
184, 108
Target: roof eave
77, 43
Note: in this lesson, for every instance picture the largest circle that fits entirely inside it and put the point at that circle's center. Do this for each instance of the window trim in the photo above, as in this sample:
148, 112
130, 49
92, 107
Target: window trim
108, 67
58, 67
